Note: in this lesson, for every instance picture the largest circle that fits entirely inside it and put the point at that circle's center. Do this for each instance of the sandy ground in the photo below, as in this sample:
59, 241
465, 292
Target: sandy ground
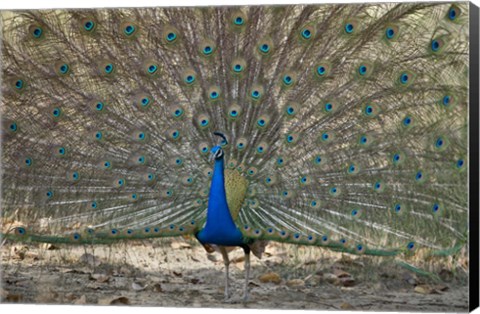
164, 273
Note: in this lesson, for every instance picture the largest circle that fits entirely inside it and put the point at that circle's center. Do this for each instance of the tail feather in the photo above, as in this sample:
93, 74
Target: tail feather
348, 122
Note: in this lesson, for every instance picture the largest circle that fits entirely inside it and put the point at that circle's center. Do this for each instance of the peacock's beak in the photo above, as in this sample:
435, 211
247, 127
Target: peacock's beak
211, 157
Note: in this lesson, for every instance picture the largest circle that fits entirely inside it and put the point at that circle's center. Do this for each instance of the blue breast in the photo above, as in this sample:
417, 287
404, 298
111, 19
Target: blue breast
219, 228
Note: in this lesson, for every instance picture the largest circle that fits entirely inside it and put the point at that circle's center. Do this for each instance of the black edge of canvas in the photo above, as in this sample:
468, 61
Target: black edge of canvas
474, 168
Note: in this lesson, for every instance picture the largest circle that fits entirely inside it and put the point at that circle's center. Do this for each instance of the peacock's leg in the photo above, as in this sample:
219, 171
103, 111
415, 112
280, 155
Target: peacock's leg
226, 261
247, 275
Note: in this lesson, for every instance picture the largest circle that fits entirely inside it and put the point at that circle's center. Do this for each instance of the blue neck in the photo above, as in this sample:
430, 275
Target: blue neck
219, 228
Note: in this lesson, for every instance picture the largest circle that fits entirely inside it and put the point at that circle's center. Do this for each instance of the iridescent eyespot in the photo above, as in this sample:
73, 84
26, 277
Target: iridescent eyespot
352, 168
56, 112
37, 32
63, 68
389, 32
108, 68
189, 79
207, 50
306, 33
397, 158
20, 231
349, 28
419, 176
19, 84
89, 25
171, 36
360, 248
28, 161
446, 100
379, 186
214, 93
326, 137
237, 68
439, 142
178, 112
407, 121
404, 78
362, 70
264, 48
129, 30
328, 107
453, 13
322, 69
239, 20
99, 106
287, 80
152, 69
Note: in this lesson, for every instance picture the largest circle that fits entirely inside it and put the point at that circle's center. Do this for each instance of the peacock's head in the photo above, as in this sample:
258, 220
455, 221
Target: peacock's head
217, 152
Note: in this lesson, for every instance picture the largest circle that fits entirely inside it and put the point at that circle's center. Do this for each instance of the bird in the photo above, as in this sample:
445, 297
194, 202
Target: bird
341, 126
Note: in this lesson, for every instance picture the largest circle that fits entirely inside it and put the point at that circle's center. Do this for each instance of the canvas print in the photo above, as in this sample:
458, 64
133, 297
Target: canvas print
294, 156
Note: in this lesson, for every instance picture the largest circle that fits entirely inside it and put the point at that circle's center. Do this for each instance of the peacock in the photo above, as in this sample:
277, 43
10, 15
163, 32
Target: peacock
342, 126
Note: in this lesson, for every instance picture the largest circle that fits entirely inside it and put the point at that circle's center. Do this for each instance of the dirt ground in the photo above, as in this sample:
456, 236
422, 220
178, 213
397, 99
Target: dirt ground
182, 274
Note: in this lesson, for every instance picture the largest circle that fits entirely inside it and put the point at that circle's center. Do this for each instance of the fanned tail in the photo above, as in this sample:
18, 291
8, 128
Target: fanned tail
349, 123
